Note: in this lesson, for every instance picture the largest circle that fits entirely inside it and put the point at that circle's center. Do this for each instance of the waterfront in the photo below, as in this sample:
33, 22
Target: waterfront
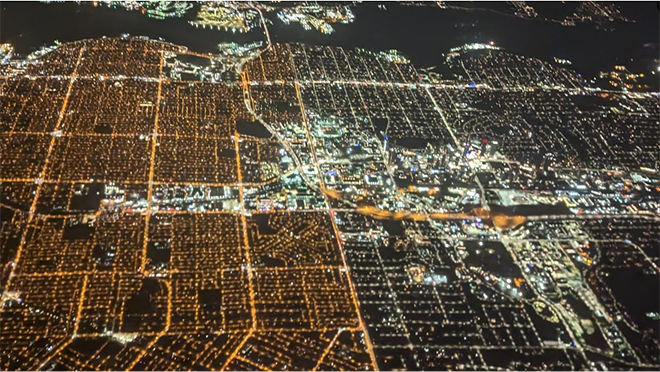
422, 33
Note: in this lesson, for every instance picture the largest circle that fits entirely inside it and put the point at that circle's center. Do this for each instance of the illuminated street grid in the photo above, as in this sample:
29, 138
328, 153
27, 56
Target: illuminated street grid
108, 281
450, 294
612, 130
146, 232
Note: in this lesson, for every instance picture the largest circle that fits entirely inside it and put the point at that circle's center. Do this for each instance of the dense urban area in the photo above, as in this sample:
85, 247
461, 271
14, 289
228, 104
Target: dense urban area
291, 206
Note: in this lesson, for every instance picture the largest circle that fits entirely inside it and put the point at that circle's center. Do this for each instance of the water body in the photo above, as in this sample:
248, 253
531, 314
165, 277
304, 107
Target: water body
30, 25
421, 33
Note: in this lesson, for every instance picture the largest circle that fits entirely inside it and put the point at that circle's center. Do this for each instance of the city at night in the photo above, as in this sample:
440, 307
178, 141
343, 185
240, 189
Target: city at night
329, 186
